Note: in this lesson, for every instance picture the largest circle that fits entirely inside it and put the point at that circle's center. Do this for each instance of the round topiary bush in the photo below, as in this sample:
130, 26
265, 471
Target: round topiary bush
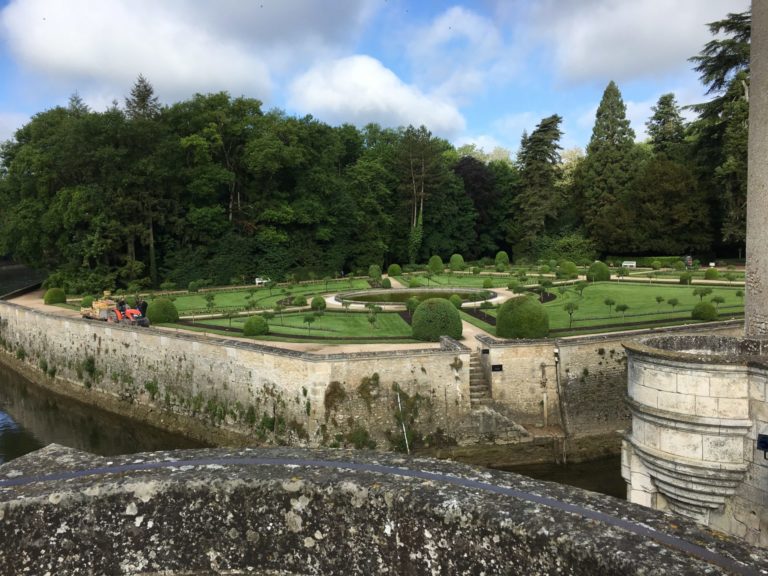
394, 270
678, 265
598, 272
711, 274
487, 283
436, 317
501, 260
318, 303
436, 265
374, 272
705, 311
86, 301
656, 264
162, 311
567, 269
255, 326
522, 317
415, 283
456, 263
386, 283
686, 278
299, 300
55, 296
456, 300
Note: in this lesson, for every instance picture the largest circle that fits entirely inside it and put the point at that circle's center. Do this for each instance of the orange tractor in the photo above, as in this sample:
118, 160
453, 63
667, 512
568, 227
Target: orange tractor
106, 309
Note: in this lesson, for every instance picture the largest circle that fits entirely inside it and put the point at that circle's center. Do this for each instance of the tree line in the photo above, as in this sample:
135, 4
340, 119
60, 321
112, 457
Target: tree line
216, 188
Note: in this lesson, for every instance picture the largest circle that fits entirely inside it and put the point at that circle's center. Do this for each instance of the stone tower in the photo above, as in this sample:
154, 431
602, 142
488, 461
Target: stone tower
756, 309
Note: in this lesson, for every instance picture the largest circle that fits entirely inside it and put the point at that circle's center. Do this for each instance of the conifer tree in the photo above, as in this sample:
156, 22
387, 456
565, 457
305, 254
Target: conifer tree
606, 175
665, 127
142, 103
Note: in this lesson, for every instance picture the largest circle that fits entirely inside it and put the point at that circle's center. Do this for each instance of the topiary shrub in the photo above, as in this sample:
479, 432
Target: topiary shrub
318, 303
456, 300
711, 274
705, 311
374, 272
487, 283
299, 300
394, 270
456, 263
522, 317
678, 265
55, 296
415, 283
686, 278
656, 264
86, 301
162, 311
501, 260
436, 265
436, 317
598, 272
255, 326
386, 283
411, 304
567, 269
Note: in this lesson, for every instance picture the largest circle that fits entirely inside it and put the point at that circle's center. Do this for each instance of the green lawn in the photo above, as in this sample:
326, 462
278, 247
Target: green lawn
330, 324
466, 280
262, 298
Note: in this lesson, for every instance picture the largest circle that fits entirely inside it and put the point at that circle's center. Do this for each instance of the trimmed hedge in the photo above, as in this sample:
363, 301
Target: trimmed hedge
86, 301
299, 300
411, 304
686, 278
502, 259
522, 317
705, 311
436, 265
456, 300
711, 274
374, 272
456, 263
394, 270
567, 269
255, 326
386, 283
436, 317
55, 296
161, 311
598, 272
318, 303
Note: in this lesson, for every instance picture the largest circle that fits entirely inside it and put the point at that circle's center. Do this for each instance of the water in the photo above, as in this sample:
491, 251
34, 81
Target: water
603, 476
31, 418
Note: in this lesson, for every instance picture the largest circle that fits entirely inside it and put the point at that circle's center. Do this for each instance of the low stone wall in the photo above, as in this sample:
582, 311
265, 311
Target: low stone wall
287, 512
262, 392
698, 404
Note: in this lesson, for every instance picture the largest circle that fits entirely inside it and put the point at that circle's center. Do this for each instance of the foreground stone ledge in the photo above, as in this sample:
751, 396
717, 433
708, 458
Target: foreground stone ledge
288, 511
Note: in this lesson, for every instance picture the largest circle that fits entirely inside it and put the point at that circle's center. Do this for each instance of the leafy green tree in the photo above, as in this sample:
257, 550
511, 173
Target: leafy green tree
538, 199
255, 326
309, 319
605, 177
609, 302
665, 127
673, 302
622, 308
659, 300
717, 300
702, 291
502, 260
318, 303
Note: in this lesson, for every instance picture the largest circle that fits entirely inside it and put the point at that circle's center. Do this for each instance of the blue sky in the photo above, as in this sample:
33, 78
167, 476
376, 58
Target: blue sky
477, 71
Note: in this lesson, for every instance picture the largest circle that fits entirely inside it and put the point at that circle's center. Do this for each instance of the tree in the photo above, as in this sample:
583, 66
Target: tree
580, 286
702, 291
142, 103
665, 127
538, 200
606, 175
522, 318
673, 302
456, 263
435, 265
717, 300
609, 302
570, 308
622, 308
659, 300
309, 319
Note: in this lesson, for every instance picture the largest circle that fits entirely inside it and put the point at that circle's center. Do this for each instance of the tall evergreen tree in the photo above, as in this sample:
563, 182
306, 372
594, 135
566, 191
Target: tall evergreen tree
606, 175
665, 127
538, 200
142, 103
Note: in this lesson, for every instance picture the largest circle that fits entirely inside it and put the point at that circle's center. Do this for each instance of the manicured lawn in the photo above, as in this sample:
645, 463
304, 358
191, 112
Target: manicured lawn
641, 300
738, 276
466, 280
330, 324
262, 298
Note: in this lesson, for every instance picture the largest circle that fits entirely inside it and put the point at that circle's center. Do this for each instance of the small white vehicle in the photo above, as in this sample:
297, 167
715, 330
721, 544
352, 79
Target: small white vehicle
260, 281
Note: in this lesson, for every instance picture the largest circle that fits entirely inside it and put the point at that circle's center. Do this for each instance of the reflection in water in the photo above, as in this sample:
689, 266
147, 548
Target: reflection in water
31, 417
602, 476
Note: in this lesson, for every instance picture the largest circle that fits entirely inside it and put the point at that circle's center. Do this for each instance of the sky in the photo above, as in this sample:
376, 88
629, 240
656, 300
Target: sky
474, 72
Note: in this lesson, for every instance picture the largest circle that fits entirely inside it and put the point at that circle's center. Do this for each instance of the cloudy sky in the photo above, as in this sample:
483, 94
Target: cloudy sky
478, 71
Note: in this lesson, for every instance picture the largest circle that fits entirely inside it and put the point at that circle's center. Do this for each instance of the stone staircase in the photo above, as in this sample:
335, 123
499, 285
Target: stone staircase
479, 390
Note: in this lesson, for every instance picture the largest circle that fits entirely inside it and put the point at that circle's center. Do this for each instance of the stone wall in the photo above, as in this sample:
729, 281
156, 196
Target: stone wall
698, 404
259, 391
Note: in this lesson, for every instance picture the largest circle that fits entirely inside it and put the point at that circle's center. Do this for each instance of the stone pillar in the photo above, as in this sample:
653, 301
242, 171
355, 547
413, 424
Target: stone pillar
756, 309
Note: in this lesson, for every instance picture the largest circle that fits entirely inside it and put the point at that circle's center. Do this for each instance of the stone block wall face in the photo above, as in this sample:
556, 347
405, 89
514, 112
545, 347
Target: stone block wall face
244, 387
692, 446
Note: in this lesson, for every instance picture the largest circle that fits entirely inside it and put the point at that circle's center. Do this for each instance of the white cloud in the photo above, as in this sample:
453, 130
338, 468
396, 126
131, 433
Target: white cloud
485, 142
620, 39
9, 123
181, 46
359, 90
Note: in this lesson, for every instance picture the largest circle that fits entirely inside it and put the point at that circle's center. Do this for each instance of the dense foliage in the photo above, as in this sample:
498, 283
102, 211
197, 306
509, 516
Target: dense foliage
161, 311
704, 311
255, 326
522, 317
598, 272
215, 189
436, 317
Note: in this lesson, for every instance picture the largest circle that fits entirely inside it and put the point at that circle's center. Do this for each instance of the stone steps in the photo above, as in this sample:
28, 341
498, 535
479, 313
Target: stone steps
479, 391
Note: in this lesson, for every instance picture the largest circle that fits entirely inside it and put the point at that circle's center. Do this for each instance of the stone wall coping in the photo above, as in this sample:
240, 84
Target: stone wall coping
447, 345
690, 422
699, 350
186, 510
